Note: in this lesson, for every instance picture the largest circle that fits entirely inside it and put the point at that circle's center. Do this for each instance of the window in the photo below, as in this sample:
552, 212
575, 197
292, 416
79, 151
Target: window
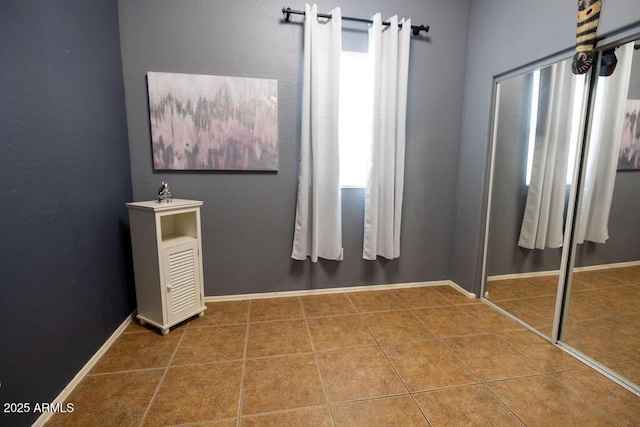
578, 97
356, 103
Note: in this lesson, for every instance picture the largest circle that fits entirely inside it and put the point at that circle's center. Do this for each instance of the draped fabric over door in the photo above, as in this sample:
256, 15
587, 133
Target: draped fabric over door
318, 226
603, 149
544, 210
389, 50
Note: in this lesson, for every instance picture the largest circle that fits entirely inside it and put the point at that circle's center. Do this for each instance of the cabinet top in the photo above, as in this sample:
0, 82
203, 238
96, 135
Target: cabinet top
162, 206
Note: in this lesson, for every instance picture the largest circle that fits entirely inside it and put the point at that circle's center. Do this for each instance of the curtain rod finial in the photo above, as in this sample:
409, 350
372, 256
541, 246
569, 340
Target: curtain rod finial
416, 29
287, 13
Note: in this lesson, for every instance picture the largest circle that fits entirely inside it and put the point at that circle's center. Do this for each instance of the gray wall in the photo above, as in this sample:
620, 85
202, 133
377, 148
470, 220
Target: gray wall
248, 218
64, 178
505, 35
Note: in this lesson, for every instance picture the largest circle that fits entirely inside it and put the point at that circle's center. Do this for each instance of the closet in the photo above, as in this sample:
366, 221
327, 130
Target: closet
562, 247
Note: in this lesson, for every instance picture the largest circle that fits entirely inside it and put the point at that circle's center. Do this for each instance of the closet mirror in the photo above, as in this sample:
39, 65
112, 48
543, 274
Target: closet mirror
601, 318
537, 125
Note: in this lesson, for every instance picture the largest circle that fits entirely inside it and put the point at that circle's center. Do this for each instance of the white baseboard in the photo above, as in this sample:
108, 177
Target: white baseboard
64, 394
337, 290
459, 288
605, 266
523, 275
551, 272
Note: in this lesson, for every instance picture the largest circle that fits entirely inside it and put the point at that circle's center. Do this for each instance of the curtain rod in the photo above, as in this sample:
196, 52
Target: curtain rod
287, 11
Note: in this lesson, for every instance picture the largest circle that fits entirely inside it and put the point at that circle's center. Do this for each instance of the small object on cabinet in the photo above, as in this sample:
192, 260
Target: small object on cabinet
164, 193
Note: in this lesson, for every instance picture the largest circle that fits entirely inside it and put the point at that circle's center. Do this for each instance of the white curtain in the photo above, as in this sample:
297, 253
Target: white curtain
318, 226
544, 210
389, 50
603, 149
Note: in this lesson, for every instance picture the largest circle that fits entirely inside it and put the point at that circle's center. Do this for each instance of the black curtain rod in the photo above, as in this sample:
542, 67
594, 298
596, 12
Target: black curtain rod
287, 11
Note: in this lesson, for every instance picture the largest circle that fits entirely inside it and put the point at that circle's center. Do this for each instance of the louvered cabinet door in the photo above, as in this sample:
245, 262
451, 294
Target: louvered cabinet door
182, 281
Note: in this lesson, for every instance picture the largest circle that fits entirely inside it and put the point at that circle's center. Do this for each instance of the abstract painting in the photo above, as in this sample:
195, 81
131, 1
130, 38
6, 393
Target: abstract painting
201, 122
629, 157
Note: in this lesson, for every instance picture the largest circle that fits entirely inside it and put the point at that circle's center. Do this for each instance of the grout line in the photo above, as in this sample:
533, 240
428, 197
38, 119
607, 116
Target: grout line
384, 353
105, 374
575, 393
486, 387
315, 357
164, 376
244, 364
283, 411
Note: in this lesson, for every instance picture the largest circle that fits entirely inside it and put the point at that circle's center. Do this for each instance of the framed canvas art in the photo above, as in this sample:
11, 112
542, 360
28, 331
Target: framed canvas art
201, 122
629, 156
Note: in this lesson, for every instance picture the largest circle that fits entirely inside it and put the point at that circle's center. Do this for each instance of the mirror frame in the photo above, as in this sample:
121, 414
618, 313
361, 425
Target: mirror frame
521, 71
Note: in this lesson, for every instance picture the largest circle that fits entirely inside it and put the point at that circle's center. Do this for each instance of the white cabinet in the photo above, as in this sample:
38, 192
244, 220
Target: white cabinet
167, 261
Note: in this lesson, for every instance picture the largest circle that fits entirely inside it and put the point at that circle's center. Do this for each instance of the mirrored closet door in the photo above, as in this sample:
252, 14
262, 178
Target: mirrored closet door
562, 251
602, 309
537, 129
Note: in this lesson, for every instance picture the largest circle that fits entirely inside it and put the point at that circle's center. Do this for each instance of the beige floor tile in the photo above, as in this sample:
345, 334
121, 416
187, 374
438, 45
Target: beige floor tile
211, 344
327, 305
222, 313
227, 423
421, 297
602, 393
490, 317
579, 286
396, 326
449, 321
358, 373
192, 394
278, 338
392, 411
526, 288
139, 351
135, 327
544, 307
525, 312
336, 332
596, 279
428, 365
606, 349
275, 309
281, 383
114, 399
541, 352
506, 289
617, 300
455, 296
578, 311
497, 290
370, 301
314, 417
471, 405
491, 358
543, 401
624, 274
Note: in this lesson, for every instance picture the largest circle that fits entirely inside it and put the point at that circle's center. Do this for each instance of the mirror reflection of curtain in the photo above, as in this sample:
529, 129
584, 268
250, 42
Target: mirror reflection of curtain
544, 210
603, 149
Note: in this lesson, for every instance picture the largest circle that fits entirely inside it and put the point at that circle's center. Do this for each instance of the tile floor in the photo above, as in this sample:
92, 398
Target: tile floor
603, 319
403, 357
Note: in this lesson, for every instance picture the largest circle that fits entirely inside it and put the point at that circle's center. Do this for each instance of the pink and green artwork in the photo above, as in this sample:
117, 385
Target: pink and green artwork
201, 122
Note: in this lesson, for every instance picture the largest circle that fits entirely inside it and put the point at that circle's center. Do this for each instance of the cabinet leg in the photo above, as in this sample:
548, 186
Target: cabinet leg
142, 322
201, 314
165, 331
